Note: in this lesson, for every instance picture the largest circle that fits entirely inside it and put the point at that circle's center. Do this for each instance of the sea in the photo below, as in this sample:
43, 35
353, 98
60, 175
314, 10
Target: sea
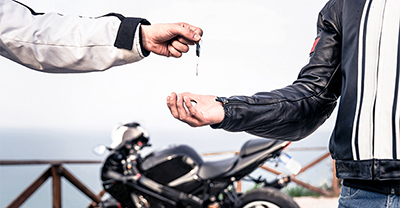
63, 144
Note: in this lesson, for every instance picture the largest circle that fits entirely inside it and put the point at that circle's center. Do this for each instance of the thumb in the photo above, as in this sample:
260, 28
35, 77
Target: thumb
188, 31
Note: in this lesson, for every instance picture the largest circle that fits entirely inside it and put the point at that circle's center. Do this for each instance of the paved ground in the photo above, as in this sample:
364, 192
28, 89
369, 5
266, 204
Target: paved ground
317, 202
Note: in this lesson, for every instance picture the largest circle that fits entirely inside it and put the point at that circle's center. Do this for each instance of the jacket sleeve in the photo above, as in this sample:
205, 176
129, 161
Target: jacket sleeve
294, 112
56, 43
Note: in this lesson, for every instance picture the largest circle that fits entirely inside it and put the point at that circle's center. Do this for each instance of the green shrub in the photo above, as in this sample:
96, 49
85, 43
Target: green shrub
297, 191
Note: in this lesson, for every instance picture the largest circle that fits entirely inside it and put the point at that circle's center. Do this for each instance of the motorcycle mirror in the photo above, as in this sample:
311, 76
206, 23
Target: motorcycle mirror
99, 150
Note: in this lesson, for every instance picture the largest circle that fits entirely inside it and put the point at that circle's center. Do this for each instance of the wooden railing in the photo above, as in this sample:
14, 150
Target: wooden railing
57, 170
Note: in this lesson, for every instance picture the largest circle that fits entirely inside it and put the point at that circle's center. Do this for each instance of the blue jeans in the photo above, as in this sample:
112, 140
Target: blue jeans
356, 198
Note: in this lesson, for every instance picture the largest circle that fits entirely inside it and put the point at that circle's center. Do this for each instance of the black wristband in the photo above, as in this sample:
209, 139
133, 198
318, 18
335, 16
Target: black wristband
126, 32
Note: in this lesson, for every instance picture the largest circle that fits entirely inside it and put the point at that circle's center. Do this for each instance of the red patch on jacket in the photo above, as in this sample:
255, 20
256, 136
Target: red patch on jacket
314, 45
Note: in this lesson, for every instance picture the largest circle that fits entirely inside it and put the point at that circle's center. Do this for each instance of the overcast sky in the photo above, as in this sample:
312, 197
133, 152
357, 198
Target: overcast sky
248, 46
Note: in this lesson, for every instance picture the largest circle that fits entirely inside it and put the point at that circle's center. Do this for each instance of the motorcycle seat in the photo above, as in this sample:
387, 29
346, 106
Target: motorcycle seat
211, 169
256, 145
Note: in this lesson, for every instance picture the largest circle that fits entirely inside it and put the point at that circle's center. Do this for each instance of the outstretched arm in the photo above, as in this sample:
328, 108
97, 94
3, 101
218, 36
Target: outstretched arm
56, 43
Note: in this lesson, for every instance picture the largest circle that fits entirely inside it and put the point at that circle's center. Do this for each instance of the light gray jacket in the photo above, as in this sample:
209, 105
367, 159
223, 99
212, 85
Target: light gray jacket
56, 43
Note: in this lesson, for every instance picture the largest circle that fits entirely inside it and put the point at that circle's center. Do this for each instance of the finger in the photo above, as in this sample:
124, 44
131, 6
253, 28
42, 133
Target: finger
181, 108
172, 105
168, 103
190, 119
197, 30
192, 110
185, 40
192, 97
179, 46
188, 31
173, 52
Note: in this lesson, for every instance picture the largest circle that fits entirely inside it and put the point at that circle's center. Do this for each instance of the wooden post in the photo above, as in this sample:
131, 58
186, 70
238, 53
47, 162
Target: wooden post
335, 181
55, 173
239, 186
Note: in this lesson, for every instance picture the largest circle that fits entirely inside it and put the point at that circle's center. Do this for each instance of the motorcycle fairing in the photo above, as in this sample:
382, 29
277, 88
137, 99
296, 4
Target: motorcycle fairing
175, 166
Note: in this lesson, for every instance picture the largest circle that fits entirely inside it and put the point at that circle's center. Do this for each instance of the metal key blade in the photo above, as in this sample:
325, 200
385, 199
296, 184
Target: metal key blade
198, 57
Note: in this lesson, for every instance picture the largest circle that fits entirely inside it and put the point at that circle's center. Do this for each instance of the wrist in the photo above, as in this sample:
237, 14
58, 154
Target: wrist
222, 102
143, 45
145, 33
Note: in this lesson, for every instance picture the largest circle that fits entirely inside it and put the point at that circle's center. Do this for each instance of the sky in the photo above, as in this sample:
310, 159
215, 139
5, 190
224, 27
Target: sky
248, 47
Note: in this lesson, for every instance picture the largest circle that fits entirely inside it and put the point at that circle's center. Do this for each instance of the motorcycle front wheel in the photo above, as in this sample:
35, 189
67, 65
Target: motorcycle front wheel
266, 197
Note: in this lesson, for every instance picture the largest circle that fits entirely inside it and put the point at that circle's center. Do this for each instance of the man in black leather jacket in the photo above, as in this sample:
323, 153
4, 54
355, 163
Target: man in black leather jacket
356, 56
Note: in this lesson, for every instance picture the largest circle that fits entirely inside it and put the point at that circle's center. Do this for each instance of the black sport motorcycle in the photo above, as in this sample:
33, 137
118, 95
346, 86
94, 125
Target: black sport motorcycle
177, 176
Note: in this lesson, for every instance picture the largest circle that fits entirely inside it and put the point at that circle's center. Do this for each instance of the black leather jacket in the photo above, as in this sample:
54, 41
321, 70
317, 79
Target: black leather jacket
356, 58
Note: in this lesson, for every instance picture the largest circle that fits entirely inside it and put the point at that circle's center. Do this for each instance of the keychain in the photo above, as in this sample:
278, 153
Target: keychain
198, 56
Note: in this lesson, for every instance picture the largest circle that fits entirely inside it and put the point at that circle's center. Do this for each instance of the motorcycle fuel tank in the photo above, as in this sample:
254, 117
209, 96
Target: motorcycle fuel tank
175, 166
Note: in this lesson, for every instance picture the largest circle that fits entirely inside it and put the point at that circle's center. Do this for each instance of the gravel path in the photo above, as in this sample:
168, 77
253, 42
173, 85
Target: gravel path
317, 202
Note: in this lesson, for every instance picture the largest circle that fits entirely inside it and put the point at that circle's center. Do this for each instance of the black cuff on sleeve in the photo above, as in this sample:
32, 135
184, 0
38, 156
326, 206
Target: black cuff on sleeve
224, 101
126, 32
144, 51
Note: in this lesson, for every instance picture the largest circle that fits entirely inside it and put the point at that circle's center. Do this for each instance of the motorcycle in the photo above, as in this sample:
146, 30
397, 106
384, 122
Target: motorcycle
177, 176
